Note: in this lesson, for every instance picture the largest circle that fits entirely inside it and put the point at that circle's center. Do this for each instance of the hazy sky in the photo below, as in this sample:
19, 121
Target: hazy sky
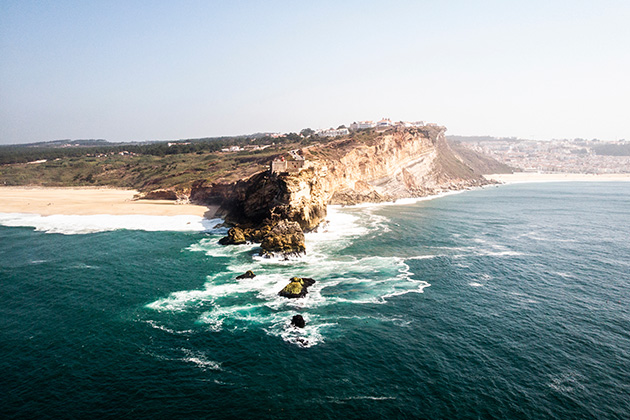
132, 70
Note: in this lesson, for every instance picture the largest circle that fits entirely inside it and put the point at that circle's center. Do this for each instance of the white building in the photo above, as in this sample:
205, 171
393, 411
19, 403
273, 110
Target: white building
384, 123
331, 132
362, 125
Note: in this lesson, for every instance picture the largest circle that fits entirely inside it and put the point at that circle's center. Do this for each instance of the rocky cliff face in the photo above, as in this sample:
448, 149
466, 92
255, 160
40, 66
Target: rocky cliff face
267, 198
397, 163
401, 163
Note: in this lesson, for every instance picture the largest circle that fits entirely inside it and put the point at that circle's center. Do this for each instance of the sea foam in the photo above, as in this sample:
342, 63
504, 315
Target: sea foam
342, 279
83, 224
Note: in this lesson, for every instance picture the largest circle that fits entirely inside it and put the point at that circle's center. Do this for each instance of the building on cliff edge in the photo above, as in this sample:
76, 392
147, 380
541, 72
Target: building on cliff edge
282, 165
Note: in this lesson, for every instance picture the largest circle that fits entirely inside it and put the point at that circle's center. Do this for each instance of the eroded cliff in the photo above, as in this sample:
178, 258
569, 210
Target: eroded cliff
398, 163
362, 167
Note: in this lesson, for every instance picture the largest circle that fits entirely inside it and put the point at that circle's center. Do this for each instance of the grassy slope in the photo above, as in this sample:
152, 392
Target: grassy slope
146, 172
142, 172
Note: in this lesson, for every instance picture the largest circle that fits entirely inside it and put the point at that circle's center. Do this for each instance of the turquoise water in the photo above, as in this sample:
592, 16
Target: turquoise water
508, 302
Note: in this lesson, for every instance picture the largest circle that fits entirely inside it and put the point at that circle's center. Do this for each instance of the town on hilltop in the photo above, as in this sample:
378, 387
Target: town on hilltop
362, 125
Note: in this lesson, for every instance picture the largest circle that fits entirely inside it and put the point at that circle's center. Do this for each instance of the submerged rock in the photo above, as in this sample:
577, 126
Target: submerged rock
298, 321
297, 288
235, 236
286, 238
249, 274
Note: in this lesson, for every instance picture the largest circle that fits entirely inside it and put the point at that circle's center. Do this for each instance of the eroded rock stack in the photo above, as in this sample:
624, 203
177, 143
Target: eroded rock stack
284, 239
297, 288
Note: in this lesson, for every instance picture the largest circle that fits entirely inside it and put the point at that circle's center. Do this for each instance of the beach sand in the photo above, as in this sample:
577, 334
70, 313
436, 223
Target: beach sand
88, 201
522, 177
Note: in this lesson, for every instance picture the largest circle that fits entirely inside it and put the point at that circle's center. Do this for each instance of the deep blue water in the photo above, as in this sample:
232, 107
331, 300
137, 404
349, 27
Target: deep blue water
501, 303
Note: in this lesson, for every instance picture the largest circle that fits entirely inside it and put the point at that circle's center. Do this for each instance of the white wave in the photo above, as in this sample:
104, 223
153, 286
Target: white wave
474, 284
488, 253
200, 359
340, 228
160, 327
425, 257
306, 337
216, 317
180, 301
227, 304
82, 224
362, 397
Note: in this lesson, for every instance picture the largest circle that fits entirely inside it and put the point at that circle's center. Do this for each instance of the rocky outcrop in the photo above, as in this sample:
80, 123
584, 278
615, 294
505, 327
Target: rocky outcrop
297, 288
360, 168
298, 321
284, 239
249, 274
235, 236
268, 198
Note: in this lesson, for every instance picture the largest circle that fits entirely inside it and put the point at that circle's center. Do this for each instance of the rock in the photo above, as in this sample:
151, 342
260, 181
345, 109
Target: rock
249, 274
257, 234
158, 195
297, 288
298, 321
235, 236
286, 239
268, 197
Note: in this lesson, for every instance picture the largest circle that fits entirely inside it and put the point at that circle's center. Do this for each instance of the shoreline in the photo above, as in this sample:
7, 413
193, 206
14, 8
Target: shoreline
83, 201
531, 177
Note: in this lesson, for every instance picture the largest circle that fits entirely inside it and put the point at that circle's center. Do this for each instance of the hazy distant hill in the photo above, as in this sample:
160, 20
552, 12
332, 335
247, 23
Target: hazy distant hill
481, 163
612, 149
472, 139
65, 143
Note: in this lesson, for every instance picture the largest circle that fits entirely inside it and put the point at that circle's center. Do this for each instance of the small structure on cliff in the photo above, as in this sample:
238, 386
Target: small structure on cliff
291, 166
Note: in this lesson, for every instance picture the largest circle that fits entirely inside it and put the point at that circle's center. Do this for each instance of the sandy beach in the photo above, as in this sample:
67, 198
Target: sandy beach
89, 201
522, 177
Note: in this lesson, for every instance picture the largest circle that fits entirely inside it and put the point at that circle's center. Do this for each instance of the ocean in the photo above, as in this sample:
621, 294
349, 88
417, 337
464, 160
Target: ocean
507, 302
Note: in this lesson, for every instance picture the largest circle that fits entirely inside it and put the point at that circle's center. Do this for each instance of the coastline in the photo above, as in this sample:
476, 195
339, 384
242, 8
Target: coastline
527, 177
48, 201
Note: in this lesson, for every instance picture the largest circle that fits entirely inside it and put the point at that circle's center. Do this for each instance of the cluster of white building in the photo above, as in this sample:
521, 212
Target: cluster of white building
361, 125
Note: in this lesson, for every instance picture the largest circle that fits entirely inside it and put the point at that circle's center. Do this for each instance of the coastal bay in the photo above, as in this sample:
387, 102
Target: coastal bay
435, 309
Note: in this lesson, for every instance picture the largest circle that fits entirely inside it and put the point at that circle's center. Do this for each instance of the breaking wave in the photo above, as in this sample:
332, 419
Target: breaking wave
83, 224
225, 303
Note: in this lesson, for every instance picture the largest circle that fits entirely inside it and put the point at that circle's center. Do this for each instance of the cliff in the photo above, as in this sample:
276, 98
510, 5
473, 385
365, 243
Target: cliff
361, 167
398, 163
267, 198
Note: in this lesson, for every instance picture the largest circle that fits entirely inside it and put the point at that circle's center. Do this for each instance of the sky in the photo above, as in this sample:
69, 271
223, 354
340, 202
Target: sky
157, 70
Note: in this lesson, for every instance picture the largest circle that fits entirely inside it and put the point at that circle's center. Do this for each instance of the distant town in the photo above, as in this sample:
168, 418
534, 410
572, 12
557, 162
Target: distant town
569, 156
362, 125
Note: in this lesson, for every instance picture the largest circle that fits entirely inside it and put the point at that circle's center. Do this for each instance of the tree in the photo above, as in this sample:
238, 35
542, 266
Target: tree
307, 132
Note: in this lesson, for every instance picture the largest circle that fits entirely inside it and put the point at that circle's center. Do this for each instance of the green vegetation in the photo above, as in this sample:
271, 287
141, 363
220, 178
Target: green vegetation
142, 166
177, 165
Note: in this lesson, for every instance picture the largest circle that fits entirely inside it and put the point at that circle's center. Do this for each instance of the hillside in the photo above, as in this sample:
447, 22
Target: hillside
481, 163
142, 166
